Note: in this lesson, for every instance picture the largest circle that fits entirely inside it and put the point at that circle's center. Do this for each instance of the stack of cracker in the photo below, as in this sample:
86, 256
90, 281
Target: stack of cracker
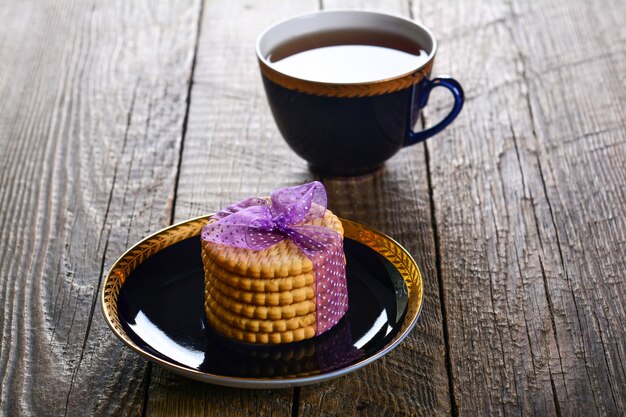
270, 296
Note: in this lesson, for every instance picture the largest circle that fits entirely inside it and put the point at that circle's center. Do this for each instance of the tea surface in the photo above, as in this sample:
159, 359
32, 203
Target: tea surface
348, 57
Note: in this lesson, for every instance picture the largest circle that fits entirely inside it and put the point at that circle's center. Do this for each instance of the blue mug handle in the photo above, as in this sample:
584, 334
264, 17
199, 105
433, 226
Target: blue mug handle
459, 97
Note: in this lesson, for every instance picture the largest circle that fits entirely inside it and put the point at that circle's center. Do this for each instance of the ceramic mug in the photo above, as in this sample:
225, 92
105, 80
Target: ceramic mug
350, 128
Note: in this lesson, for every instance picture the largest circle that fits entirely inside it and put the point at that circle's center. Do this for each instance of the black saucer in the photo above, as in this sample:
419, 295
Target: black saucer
160, 311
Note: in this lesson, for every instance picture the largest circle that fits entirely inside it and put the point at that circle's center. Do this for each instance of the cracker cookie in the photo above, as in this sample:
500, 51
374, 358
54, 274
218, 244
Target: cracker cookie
257, 284
287, 311
281, 260
274, 298
259, 337
255, 325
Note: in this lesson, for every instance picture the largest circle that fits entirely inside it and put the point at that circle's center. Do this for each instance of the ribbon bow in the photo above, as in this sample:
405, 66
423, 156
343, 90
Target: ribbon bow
256, 224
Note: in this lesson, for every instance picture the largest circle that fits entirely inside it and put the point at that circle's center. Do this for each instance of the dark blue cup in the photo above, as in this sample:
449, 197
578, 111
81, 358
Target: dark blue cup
351, 128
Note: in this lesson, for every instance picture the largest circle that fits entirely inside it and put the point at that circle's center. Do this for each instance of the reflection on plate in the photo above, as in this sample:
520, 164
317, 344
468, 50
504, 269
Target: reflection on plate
153, 301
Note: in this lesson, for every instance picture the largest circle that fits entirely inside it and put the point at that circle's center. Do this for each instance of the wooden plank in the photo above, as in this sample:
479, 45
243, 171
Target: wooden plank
232, 149
93, 99
412, 380
529, 205
580, 153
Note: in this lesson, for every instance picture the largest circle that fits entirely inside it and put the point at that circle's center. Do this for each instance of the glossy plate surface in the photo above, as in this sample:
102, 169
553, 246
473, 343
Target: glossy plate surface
153, 301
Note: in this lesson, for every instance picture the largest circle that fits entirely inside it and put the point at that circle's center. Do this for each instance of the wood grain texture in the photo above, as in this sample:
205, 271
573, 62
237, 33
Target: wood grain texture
580, 127
232, 150
516, 213
530, 206
92, 104
412, 380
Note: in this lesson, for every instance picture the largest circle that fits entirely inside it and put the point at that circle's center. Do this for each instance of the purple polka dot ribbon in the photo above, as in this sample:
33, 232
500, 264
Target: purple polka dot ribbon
256, 224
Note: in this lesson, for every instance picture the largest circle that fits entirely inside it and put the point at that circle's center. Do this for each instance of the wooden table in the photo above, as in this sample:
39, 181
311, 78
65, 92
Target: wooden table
119, 118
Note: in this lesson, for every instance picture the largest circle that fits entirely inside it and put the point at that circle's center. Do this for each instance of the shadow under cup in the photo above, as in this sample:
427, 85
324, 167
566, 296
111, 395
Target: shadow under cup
344, 129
